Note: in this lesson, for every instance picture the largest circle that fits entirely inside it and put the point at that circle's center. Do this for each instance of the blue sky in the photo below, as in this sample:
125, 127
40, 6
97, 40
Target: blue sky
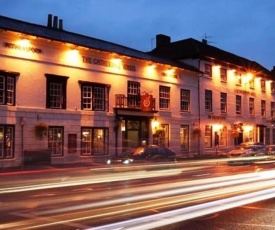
243, 27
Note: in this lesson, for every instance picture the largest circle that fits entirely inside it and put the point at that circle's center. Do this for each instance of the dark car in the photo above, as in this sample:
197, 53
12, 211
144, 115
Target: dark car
145, 153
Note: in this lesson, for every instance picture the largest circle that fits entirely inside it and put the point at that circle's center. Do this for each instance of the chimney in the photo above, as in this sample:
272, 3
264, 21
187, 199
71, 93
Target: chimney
162, 40
204, 41
60, 24
50, 19
55, 21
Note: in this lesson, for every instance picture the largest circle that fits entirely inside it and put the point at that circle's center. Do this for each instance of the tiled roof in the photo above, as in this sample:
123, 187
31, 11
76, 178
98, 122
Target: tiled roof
61, 35
191, 48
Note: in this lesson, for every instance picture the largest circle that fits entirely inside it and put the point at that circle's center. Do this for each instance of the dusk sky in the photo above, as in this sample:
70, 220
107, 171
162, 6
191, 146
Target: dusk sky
243, 27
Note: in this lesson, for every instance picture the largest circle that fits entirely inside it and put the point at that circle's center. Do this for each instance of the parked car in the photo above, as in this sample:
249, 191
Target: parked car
270, 149
145, 153
248, 150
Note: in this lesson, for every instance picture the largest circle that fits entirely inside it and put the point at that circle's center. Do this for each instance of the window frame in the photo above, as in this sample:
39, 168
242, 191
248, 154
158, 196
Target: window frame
208, 100
7, 147
251, 106
164, 97
56, 80
238, 104
223, 74
88, 143
185, 100
93, 105
223, 102
263, 85
133, 94
184, 138
56, 143
272, 109
263, 108
208, 69
8, 90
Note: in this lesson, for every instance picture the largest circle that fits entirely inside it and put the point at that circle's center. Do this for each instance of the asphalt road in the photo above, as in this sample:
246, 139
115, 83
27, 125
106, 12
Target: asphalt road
115, 197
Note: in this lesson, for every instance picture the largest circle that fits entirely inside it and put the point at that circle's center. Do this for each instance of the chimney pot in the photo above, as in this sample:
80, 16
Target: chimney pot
55, 21
60, 24
50, 19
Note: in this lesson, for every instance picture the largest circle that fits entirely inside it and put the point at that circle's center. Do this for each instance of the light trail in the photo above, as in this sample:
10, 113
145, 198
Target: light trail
171, 217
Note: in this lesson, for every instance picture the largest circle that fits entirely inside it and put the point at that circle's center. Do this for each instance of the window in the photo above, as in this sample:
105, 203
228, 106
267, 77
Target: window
6, 141
7, 89
272, 109
94, 141
208, 70
223, 102
133, 94
185, 100
263, 108
223, 73
238, 104
184, 137
272, 87
208, 136
238, 78
223, 136
208, 100
263, 88
164, 97
55, 141
251, 107
94, 96
56, 91
251, 83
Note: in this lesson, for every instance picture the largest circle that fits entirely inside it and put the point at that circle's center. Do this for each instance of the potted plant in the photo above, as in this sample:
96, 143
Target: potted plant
40, 130
196, 132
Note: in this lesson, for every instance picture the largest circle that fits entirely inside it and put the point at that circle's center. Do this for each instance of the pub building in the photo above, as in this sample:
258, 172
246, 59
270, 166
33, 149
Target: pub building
67, 98
236, 102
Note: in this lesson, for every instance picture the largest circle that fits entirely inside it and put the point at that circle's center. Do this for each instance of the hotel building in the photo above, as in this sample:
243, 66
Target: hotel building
67, 98
236, 102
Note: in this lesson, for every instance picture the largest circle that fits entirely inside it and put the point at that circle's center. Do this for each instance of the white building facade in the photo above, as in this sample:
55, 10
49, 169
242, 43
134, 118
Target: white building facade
67, 98
237, 101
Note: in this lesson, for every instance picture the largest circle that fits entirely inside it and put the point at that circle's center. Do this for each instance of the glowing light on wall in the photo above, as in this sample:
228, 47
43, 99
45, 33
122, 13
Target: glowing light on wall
24, 42
248, 128
217, 127
155, 124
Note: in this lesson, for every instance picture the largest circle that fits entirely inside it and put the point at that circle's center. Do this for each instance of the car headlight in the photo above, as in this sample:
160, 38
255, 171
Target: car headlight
108, 161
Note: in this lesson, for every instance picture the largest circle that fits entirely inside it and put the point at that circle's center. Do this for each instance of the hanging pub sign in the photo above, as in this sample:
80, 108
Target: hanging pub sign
146, 102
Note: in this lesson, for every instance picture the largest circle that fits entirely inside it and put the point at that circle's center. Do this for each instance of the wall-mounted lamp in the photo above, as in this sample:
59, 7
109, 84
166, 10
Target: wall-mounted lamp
155, 124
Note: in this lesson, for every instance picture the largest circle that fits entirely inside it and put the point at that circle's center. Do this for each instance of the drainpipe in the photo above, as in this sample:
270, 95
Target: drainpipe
199, 103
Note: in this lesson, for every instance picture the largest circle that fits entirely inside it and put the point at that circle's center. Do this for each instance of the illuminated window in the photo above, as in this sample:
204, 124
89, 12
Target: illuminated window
263, 108
251, 83
6, 141
164, 97
223, 136
272, 87
94, 96
208, 70
56, 91
208, 100
223, 73
184, 137
7, 89
55, 141
238, 104
94, 141
238, 79
223, 102
263, 87
251, 107
208, 136
133, 94
272, 109
185, 100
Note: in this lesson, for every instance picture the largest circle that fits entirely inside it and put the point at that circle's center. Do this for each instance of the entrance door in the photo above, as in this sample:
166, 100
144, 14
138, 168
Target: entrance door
136, 132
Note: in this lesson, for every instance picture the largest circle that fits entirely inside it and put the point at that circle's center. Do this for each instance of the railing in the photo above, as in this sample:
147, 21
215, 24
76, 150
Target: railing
133, 102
